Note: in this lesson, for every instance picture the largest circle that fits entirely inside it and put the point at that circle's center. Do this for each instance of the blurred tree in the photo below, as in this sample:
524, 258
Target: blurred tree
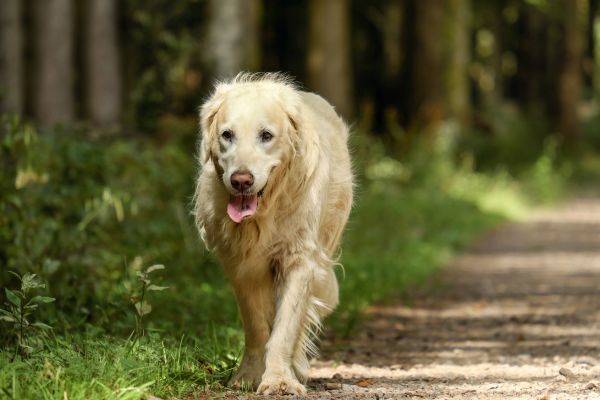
328, 60
103, 88
52, 91
233, 36
391, 23
426, 105
459, 57
407, 63
388, 21
532, 28
570, 78
284, 46
11, 57
595, 34
491, 36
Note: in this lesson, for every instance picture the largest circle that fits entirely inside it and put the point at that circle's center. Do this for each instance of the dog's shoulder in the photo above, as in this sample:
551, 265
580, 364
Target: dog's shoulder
322, 109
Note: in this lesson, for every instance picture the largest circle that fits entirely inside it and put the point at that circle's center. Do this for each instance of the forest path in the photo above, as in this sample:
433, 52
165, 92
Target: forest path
516, 316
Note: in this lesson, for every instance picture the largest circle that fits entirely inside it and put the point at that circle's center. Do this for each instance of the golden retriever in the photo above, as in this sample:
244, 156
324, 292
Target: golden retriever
272, 198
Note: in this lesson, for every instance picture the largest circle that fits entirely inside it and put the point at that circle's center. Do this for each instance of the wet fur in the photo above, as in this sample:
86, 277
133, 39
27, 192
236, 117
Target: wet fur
280, 261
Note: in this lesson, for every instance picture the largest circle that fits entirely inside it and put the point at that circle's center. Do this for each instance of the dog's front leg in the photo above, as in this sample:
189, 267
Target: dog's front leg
290, 322
257, 308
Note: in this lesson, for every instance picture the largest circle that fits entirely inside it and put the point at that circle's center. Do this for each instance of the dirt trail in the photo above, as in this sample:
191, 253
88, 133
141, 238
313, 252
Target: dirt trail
517, 316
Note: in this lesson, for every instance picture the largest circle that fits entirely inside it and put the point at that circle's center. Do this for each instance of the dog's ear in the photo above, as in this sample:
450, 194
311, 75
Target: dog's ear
294, 124
293, 121
208, 126
303, 138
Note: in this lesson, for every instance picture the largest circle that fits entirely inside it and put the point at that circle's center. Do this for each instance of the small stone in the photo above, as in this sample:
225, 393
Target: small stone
591, 386
333, 386
567, 373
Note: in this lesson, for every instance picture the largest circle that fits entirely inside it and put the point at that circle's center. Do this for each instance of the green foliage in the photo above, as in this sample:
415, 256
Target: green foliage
86, 216
514, 141
83, 367
140, 301
547, 177
19, 308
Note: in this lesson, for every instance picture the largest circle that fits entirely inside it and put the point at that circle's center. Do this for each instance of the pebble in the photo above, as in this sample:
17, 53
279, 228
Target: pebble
567, 373
333, 386
591, 386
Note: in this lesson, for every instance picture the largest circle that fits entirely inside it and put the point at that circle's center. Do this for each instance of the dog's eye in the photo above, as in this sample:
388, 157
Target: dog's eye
266, 136
227, 135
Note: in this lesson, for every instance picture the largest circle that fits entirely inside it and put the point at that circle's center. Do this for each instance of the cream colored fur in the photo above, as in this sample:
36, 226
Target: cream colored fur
280, 260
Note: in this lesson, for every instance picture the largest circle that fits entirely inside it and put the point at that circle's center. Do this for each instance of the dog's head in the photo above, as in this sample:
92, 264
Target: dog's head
249, 130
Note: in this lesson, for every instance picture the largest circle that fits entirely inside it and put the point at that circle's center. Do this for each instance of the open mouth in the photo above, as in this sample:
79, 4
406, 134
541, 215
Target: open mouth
242, 206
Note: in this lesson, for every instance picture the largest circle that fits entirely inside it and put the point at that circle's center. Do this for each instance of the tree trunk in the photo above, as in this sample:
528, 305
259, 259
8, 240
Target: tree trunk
490, 80
595, 11
532, 60
328, 65
234, 36
391, 24
570, 78
388, 85
459, 57
11, 57
103, 89
427, 106
52, 94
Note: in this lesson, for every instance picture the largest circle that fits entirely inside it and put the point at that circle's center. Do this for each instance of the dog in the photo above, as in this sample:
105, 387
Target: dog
272, 199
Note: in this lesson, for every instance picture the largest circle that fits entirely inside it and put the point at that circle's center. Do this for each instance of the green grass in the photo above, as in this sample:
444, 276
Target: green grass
90, 215
97, 367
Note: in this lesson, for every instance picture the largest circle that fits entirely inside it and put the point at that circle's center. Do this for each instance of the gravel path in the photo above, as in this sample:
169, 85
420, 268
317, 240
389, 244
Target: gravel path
515, 317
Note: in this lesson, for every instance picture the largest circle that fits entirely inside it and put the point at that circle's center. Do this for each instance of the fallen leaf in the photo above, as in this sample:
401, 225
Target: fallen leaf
364, 383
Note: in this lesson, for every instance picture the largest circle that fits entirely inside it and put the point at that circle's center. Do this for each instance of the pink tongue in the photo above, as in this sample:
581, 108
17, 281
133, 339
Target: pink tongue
241, 206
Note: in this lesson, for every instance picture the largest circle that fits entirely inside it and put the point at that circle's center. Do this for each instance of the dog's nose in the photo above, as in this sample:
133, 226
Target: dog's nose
241, 180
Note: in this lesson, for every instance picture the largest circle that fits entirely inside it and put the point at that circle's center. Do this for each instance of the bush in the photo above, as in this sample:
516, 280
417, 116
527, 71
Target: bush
86, 216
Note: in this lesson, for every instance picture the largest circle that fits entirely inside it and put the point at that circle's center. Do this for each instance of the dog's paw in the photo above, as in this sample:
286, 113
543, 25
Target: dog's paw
281, 385
246, 377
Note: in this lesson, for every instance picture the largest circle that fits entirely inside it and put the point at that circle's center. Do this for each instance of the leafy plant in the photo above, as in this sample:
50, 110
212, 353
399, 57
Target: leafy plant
139, 300
20, 306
